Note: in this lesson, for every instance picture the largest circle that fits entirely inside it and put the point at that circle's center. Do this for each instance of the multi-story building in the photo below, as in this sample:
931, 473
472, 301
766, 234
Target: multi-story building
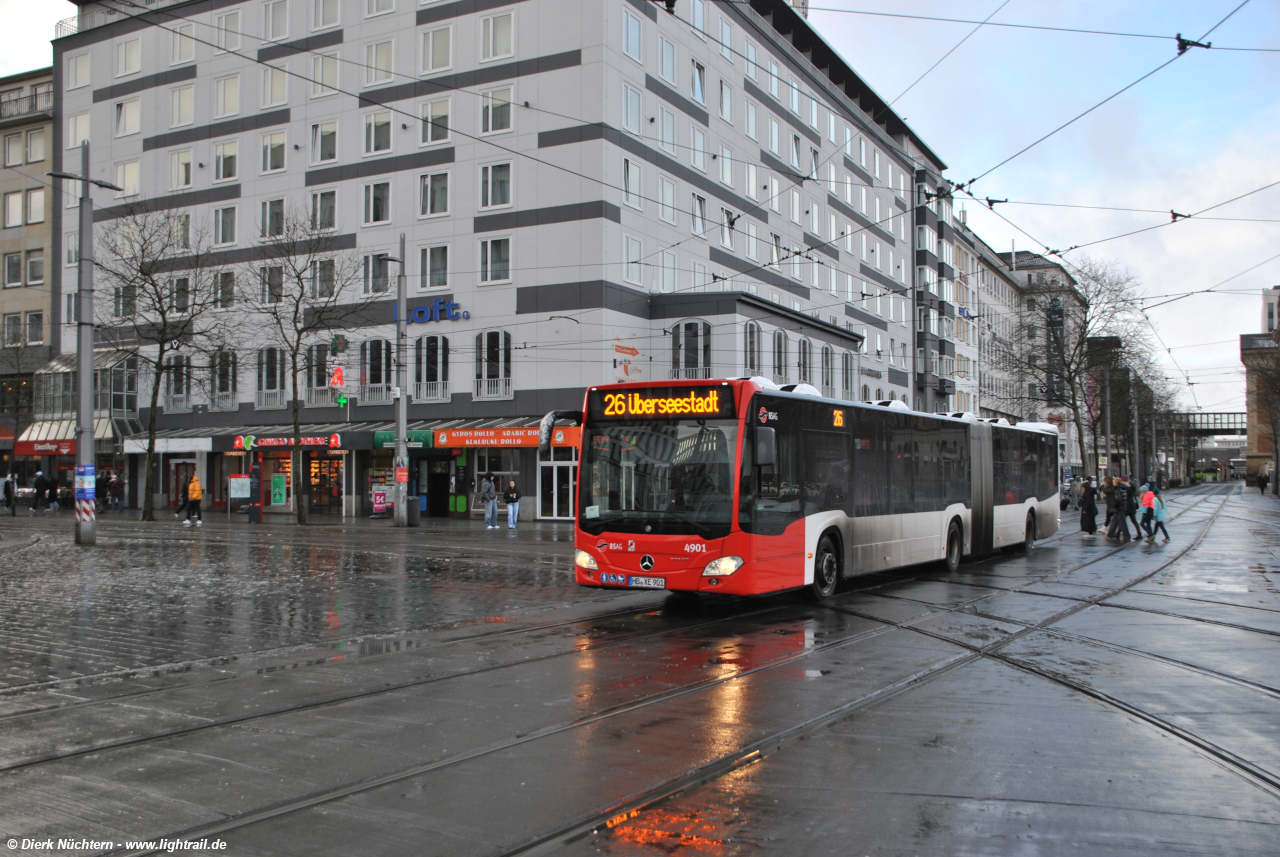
631, 193
26, 248
1001, 375
967, 319
1270, 298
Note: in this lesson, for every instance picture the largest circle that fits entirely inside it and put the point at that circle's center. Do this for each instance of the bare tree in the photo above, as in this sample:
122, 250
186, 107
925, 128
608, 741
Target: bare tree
161, 285
302, 288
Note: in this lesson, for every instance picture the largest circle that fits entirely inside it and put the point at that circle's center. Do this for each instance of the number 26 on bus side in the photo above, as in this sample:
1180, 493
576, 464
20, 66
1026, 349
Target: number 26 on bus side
837, 418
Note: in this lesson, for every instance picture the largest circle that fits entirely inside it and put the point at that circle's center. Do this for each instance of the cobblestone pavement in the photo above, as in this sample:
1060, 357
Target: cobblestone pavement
448, 690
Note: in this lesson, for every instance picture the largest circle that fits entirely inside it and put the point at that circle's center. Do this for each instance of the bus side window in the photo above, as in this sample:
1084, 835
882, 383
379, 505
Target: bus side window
826, 472
778, 498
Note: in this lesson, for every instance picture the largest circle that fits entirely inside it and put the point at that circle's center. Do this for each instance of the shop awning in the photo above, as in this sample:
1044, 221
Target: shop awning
492, 432
314, 436
58, 437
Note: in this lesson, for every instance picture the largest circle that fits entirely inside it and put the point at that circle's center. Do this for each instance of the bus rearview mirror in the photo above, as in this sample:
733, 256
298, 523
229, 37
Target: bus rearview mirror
766, 447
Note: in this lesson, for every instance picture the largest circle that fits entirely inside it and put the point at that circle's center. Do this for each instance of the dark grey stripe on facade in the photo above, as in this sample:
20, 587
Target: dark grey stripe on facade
257, 253
143, 20
824, 247
861, 219
446, 11
859, 172
151, 81
789, 173
600, 131
476, 77
647, 7
218, 193
899, 378
589, 294
547, 216
772, 104
380, 166
229, 128
866, 317
876, 276
300, 46
900, 202
757, 272
676, 100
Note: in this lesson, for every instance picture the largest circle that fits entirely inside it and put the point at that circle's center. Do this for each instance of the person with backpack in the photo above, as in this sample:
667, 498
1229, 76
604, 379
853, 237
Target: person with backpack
1158, 515
1119, 528
512, 498
195, 494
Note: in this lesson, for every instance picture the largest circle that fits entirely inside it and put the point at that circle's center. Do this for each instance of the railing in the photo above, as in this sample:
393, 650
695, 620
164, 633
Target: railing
320, 397
828, 391
374, 394
177, 403
431, 391
694, 372
267, 399
223, 402
91, 18
780, 380
40, 102
492, 388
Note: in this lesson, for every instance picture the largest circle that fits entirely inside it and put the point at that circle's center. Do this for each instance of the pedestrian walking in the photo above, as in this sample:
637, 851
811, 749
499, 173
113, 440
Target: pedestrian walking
489, 496
1148, 510
1131, 510
1158, 514
195, 494
116, 491
512, 498
41, 488
1263, 479
1089, 510
1109, 498
10, 495
182, 500
1119, 527
100, 492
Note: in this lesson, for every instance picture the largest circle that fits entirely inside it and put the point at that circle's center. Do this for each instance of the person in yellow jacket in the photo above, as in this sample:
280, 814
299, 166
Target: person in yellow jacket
194, 495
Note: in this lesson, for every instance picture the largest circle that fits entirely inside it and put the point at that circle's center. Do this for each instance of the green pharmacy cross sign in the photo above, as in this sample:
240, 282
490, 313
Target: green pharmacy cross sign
340, 400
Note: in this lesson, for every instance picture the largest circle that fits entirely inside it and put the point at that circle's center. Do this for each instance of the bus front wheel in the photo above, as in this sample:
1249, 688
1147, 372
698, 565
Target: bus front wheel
826, 571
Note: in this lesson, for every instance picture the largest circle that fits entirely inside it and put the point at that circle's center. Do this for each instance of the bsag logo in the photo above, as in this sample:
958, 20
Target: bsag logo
766, 415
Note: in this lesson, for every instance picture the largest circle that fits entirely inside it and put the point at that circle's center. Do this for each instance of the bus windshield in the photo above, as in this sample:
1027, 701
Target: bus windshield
659, 476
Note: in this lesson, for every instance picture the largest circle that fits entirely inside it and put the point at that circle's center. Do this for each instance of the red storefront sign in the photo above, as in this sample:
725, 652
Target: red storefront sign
332, 441
522, 436
44, 447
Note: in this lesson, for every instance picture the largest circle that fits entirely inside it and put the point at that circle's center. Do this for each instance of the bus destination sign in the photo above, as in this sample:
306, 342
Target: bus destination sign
662, 403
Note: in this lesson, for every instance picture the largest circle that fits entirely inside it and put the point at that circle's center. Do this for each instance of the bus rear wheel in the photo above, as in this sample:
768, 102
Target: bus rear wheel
955, 548
826, 571
1029, 538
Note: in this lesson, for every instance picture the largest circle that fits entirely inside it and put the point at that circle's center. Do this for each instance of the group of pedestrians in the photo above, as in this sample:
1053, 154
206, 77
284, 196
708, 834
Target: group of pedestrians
489, 496
1122, 503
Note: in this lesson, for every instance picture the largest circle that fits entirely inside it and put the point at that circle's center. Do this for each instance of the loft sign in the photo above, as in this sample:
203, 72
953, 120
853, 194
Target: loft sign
439, 310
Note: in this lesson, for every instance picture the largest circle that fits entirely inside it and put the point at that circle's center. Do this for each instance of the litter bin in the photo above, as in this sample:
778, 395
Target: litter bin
415, 512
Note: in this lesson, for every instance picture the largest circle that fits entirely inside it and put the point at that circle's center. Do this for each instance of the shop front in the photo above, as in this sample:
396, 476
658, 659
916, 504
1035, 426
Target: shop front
546, 480
329, 459
50, 446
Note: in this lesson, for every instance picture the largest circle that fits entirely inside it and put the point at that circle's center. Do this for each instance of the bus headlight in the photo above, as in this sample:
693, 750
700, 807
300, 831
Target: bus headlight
722, 567
582, 559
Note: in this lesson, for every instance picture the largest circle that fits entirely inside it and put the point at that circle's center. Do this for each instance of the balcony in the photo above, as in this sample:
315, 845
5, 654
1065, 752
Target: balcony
27, 105
177, 403
88, 19
320, 397
780, 380
431, 391
223, 402
374, 394
694, 372
266, 400
492, 388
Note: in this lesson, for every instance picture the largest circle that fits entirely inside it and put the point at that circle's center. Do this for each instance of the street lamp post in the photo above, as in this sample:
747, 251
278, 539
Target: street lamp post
401, 518
86, 502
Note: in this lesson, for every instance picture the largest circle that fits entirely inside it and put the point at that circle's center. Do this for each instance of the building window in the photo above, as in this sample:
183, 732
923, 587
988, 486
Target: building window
667, 200
275, 20
774, 133
496, 39
698, 82
846, 374
726, 40
631, 256
431, 367
35, 267
667, 130
71, 249
275, 85
180, 231
226, 96
224, 225
377, 203
495, 110
77, 130
753, 251
726, 102
227, 30
324, 14
377, 267
667, 262
128, 57
35, 328
272, 218
804, 363
324, 209
323, 279
630, 109
12, 269
631, 36
179, 297
377, 132
495, 185
726, 166
495, 260
273, 152
434, 194
691, 350
324, 142
493, 364
378, 7
435, 121
13, 330
726, 228
225, 158
324, 75
437, 50
751, 116
699, 16
435, 266
124, 301
127, 178
78, 71
699, 215
667, 60
35, 206
751, 343
631, 183
377, 63
781, 371
128, 118
750, 51
182, 106
698, 148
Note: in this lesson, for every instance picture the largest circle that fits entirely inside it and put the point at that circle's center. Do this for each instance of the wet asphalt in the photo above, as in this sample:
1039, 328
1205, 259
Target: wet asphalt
449, 690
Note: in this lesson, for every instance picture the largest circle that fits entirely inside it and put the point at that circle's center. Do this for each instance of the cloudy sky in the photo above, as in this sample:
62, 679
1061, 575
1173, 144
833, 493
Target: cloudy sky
1200, 131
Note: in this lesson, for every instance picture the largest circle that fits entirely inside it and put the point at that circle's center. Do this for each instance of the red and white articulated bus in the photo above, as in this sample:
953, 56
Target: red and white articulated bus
742, 487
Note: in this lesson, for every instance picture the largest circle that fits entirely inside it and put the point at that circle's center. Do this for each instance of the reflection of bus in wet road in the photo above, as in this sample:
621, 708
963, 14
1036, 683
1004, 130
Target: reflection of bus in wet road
742, 487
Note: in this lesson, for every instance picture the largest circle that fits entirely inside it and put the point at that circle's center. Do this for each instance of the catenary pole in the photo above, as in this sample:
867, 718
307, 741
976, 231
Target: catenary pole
1137, 451
1107, 385
86, 478
401, 518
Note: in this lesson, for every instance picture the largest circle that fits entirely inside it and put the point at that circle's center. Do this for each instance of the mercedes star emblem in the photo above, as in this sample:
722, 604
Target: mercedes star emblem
646, 563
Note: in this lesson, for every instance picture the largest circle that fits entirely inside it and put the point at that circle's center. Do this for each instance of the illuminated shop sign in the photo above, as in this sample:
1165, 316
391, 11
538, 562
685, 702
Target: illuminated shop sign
248, 441
662, 403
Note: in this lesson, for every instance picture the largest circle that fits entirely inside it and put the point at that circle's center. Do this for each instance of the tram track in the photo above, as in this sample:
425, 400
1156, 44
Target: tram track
755, 750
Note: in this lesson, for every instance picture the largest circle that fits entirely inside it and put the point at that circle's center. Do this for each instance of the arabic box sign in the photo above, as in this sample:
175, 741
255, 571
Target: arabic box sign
520, 436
